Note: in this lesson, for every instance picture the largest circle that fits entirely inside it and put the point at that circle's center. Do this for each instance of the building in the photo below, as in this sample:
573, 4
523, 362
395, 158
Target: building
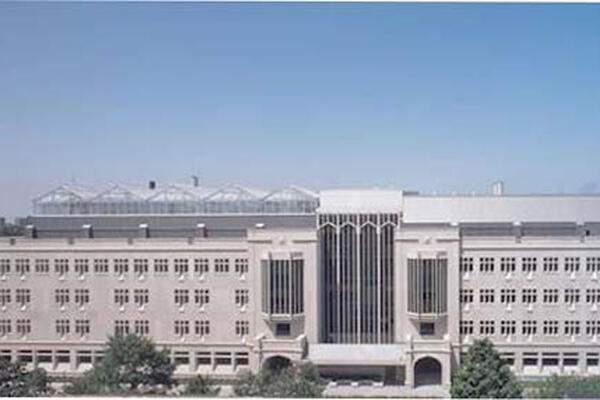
366, 284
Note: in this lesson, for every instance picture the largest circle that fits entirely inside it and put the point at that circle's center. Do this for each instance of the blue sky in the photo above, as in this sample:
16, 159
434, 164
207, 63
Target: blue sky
444, 97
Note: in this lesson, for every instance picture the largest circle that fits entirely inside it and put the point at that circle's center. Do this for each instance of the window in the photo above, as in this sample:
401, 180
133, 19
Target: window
571, 264
121, 266
466, 296
5, 326
203, 328
592, 296
82, 296
61, 266
486, 264
121, 327
508, 264
4, 297
241, 265
182, 297
242, 328
529, 264
550, 328
141, 327
81, 266
282, 330
201, 266
550, 264
42, 266
23, 296
571, 328
223, 358
101, 266
23, 327
62, 327
486, 327
529, 327
508, 327
82, 327
426, 329
181, 266
550, 296
161, 265
486, 295
529, 296
4, 266
241, 297
141, 297
508, 296
182, 328
571, 296
222, 265
201, 297
242, 358
121, 296
22, 266
140, 266
203, 358
592, 327
61, 296
466, 327
466, 264
592, 264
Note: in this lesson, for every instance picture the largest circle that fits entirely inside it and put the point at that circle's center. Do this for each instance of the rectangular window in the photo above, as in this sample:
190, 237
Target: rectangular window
508, 327
426, 329
182, 297
81, 266
121, 266
140, 266
82, 327
466, 296
23, 296
241, 265
466, 327
5, 327
82, 296
203, 328
572, 296
4, 297
242, 328
486, 296
592, 296
529, 296
241, 297
466, 264
529, 264
22, 266
201, 297
242, 358
121, 296
592, 264
550, 264
23, 327
508, 296
550, 328
4, 266
121, 327
223, 358
141, 297
101, 266
201, 266
508, 264
285, 330
42, 266
571, 264
161, 265
221, 265
62, 327
550, 296
141, 327
182, 327
572, 328
181, 266
529, 327
486, 264
61, 266
487, 328
592, 327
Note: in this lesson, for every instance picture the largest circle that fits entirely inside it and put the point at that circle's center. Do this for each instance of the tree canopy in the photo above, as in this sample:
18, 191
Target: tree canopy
484, 374
573, 387
293, 381
16, 382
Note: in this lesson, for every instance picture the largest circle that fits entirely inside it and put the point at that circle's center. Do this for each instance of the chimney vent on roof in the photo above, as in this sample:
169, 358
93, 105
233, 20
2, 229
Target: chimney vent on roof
152, 185
498, 188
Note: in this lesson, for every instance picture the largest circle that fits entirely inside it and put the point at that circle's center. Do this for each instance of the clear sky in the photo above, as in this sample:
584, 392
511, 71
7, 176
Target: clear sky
445, 97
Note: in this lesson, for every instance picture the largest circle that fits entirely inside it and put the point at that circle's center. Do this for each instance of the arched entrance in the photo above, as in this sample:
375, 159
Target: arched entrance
276, 364
428, 371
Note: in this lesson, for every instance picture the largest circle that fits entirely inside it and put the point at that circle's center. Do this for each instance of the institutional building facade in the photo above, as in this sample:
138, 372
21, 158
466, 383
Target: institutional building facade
384, 285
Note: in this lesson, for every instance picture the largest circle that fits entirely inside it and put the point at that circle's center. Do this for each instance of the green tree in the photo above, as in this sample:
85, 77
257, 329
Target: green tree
293, 381
201, 386
16, 382
484, 374
131, 364
569, 387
